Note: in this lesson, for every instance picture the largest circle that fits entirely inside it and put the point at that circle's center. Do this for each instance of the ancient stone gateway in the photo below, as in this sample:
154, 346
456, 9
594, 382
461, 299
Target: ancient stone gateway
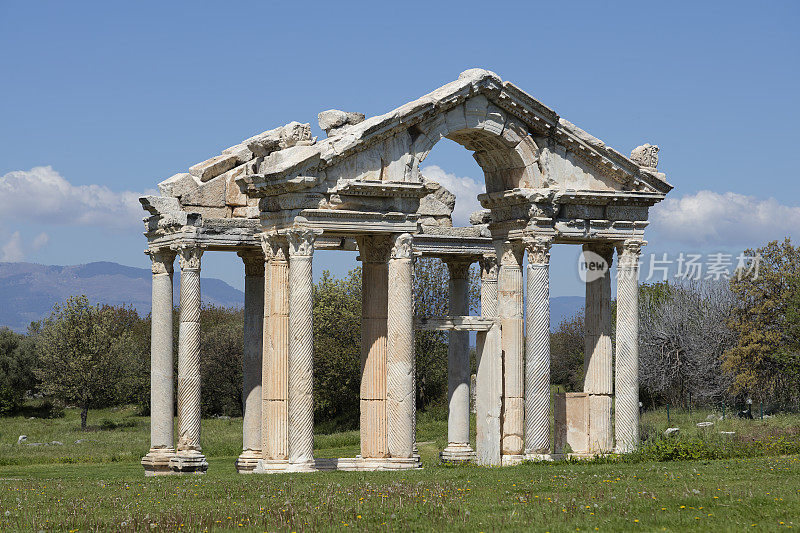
278, 196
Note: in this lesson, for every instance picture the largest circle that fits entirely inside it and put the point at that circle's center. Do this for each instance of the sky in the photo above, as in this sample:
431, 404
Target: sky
99, 101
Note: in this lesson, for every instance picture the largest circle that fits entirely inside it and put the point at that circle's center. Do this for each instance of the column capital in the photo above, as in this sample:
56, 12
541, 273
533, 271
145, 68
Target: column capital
629, 251
253, 262
489, 267
189, 255
539, 249
301, 241
161, 260
374, 248
402, 247
458, 267
509, 252
603, 249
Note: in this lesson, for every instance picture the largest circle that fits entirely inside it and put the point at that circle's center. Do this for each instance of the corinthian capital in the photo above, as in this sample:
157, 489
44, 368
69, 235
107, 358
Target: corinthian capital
459, 268
253, 262
489, 267
189, 256
301, 241
161, 260
402, 248
539, 250
629, 252
509, 252
374, 248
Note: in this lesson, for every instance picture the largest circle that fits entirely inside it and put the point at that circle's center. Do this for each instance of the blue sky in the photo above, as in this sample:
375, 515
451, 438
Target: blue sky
114, 97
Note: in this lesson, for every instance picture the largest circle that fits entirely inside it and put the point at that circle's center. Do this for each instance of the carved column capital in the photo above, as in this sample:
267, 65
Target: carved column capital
253, 262
402, 247
301, 241
604, 250
189, 256
161, 260
458, 268
509, 252
629, 252
539, 250
374, 248
489, 267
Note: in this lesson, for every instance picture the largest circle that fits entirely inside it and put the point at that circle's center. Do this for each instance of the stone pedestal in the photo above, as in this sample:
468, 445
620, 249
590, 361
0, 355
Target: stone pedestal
374, 254
537, 349
252, 361
509, 305
627, 375
400, 389
458, 447
598, 380
301, 348
156, 462
189, 457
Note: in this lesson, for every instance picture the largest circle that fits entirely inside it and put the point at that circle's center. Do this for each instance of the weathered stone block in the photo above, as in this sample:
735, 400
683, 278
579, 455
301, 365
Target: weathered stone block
245, 212
210, 194
571, 417
178, 185
623, 212
211, 168
584, 212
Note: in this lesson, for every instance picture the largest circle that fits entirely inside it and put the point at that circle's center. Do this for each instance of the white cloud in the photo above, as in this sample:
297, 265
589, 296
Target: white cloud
12, 249
725, 219
466, 191
42, 195
40, 240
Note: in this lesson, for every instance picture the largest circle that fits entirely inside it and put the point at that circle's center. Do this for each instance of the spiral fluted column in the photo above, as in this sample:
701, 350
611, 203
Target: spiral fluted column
599, 372
161, 370
301, 347
189, 457
252, 360
374, 254
626, 407
458, 447
537, 348
510, 310
400, 394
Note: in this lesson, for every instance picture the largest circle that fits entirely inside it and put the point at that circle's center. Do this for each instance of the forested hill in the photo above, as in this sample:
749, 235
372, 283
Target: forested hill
28, 291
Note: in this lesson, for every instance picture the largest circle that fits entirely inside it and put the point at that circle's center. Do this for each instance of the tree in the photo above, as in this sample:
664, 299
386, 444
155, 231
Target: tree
17, 360
566, 353
763, 362
76, 361
221, 355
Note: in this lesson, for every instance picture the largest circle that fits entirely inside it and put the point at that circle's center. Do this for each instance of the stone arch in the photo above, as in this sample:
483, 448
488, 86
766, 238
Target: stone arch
500, 143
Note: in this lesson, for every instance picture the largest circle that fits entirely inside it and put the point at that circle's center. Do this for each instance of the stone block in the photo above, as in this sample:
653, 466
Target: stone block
583, 212
233, 194
210, 194
512, 420
334, 121
625, 212
246, 212
241, 151
571, 417
601, 438
178, 185
211, 168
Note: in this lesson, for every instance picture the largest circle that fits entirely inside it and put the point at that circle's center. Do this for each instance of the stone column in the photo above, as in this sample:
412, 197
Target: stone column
626, 407
537, 348
275, 374
458, 447
301, 348
374, 254
189, 457
509, 307
598, 379
489, 378
161, 392
252, 360
400, 391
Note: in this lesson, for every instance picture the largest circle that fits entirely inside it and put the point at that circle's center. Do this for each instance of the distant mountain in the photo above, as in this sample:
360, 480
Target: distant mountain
28, 291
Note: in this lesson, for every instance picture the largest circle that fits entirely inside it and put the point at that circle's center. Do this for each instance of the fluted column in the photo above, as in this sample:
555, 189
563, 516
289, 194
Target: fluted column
161, 370
400, 391
275, 373
510, 310
599, 372
374, 254
626, 407
252, 360
489, 378
537, 348
301, 347
189, 457
458, 447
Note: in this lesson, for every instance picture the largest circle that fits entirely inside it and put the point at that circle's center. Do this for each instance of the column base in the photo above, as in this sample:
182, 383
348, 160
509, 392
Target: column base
457, 453
188, 463
538, 457
511, 459
156, 462
347, 464
247, 461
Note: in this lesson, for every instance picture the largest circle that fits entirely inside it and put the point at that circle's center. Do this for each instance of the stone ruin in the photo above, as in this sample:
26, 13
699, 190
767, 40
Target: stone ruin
280, 195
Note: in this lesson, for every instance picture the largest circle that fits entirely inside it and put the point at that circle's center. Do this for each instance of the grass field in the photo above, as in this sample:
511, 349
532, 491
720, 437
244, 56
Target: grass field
98, 485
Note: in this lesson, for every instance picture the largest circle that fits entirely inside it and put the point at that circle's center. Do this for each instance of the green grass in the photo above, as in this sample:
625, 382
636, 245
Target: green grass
99, 485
